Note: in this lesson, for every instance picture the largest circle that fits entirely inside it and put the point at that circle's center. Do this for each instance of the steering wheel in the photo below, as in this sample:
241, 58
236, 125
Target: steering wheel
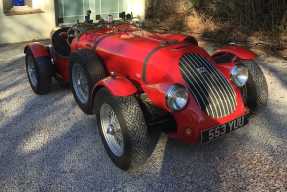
72, 33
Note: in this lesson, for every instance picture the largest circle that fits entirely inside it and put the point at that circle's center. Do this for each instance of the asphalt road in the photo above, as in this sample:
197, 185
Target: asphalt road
48, 144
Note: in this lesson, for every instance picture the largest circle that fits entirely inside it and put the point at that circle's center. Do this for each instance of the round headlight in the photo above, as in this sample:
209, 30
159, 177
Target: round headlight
239, 75
177, 97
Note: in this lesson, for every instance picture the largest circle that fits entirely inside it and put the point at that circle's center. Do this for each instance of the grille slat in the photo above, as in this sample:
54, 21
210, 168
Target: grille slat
218, 92
206, 85
197, 90
217, 84
209, 87
223, 80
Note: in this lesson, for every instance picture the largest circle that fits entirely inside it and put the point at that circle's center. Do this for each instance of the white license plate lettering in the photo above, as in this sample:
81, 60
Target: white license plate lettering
219, 131
236, 124
231, 125
211, 134
223, 130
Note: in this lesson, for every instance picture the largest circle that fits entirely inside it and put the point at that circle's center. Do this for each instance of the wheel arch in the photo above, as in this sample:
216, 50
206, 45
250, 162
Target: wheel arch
82, 54
41, 56
96, 72
117, 86
231, 53
37, 49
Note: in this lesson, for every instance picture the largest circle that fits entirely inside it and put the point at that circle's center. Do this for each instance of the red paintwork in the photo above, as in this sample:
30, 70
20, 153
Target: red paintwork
62, 65
118, 86
124, 50
38, 49
239, 52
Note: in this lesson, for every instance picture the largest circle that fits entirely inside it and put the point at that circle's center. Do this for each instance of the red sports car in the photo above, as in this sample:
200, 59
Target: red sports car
138, 82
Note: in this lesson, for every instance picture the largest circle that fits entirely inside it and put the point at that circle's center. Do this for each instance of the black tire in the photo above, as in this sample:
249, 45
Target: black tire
138, 141
256, 89
43, 72
94, 71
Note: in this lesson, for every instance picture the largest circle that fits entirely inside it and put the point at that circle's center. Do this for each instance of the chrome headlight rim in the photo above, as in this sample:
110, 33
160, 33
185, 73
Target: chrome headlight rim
240, 75
177, 97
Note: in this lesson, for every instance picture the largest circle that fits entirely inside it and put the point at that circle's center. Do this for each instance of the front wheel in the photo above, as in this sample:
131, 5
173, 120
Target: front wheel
123, 129
256, 90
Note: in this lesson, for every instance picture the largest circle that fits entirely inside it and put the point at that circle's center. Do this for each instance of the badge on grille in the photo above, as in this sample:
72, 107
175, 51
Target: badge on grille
201, 70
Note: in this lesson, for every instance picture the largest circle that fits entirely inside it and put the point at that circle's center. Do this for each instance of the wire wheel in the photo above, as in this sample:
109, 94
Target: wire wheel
111, 130
32, 71
80, 83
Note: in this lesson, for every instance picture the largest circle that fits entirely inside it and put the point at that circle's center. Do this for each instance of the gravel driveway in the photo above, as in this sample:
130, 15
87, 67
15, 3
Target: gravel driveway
48, 144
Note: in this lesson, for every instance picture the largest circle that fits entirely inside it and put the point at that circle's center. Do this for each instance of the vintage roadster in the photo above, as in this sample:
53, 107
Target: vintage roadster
140, 83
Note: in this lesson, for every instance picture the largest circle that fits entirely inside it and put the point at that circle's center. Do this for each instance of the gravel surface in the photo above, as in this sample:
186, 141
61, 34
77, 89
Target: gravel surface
48, 144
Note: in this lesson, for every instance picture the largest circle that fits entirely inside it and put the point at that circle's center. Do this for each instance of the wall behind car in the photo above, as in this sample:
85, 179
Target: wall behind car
33, 21
68, 12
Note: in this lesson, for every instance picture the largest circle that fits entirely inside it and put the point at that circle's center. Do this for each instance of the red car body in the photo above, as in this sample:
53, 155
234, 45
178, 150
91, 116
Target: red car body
143, 62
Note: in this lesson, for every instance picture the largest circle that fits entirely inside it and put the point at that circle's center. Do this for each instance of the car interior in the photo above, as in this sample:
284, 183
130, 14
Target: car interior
60, 42
62, 38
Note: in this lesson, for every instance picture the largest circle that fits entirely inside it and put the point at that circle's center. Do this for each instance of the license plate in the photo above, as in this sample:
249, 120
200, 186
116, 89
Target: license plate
214, 133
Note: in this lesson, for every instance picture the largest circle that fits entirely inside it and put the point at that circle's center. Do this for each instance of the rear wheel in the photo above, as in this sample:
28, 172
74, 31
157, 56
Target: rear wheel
85, 70
80, 83
256, 90
123, 129
38, 74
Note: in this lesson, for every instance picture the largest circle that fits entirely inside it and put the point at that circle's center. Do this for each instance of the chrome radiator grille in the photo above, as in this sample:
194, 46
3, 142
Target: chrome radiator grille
209, 87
